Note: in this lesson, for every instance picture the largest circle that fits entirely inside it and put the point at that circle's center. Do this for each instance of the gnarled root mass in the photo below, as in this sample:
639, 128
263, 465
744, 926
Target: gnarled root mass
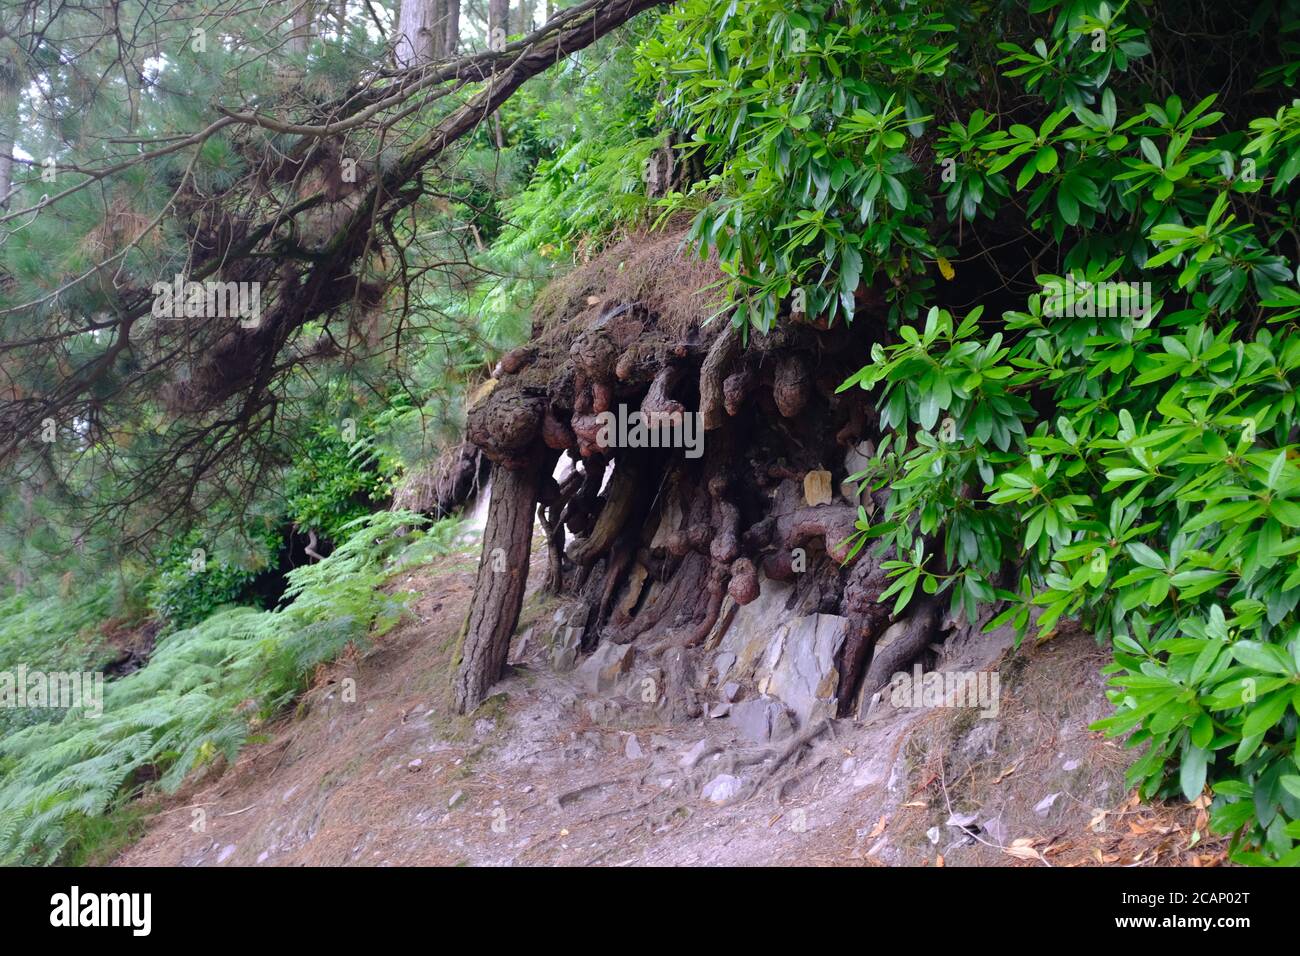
728, 461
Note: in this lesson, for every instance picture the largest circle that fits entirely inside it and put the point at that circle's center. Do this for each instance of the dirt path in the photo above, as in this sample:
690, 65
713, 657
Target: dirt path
546, 774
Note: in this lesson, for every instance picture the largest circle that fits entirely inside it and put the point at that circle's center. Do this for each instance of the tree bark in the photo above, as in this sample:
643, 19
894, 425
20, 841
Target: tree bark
421, 32
10, 91
498, 19
525, 17
452, 37
302, 26
502, 579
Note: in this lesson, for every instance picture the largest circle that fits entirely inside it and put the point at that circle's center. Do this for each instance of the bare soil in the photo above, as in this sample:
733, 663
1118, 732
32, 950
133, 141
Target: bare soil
543, 774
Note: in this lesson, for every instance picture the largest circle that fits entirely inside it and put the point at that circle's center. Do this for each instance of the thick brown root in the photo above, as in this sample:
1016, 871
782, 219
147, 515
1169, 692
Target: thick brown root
722, 355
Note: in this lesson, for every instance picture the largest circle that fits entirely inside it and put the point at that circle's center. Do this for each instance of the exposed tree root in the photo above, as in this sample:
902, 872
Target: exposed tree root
674, 539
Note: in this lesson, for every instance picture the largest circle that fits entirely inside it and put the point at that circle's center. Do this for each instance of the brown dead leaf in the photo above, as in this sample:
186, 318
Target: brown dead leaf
1022, 849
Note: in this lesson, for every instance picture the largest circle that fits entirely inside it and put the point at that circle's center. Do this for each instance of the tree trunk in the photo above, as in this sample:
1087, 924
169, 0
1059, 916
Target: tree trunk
452, 42
498, 22
303, 23
421, 32
10, 91
525, 16
502, 579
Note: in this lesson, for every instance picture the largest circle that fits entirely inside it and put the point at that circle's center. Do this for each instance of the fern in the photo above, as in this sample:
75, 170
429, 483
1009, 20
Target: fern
189, 704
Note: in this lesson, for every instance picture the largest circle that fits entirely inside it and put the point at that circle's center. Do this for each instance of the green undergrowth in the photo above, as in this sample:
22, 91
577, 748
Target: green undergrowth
67, 785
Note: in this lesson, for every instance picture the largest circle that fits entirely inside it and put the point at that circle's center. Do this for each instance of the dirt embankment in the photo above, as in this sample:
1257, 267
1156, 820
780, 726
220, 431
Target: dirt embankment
570, 768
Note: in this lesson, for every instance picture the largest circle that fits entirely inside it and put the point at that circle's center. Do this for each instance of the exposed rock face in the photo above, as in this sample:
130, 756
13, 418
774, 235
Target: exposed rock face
567, 628
788, 656
803, 674
606, 667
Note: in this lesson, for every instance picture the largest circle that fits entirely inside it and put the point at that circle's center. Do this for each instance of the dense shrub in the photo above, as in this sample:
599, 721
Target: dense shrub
200, 693
1129, 458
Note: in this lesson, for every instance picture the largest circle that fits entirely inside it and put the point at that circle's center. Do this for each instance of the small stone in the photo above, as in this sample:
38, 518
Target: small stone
226, 853
455, 799
1070, 765
1044, 806
633, 748
933, 835
720, 710
730, 690
962, 821
692, 756
761, 720
996, 830
263, 856
414, 765
721, 789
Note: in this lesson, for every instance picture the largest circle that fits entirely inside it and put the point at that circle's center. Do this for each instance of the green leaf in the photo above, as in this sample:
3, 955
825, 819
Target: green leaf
1191, 773
1265, 714
1268, 658
1145, 556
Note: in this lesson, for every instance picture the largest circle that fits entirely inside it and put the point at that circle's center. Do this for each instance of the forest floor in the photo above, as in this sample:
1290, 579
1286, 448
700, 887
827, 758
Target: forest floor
547, 774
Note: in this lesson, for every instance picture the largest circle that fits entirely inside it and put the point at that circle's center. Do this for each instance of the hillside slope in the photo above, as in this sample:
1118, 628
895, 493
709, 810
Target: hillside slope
548, 772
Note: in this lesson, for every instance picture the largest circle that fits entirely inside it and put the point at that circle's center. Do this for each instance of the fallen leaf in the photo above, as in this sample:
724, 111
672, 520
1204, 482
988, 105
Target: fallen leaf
1022, 849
